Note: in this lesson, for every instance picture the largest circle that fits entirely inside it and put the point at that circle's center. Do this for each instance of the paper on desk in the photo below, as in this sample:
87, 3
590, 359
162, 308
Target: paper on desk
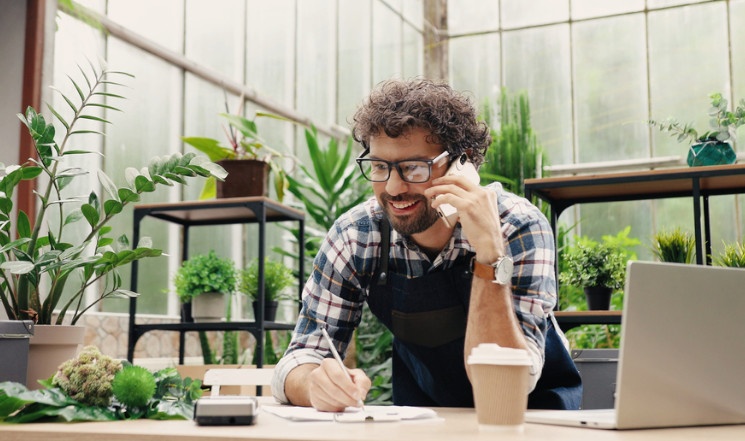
352, 414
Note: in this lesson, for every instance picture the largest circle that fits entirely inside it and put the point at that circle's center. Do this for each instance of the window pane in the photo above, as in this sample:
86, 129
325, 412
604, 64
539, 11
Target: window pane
472, 16
545, 75
386, 44
592, 8
475, 67
518, 13
610, 88
354, 57
678, 40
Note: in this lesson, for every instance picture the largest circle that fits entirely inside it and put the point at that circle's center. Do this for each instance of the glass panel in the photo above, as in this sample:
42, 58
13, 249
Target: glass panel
737, 51
582, 9
518, 13
610, 88
315, 84
159, 21
386, 42
475, 67
413, 52
354, 53
678, 39
654, 4
598, 220
413, 11
537, 61
472, 16
214, 36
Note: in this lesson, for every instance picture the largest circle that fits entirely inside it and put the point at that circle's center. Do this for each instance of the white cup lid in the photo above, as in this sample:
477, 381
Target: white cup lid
492, 353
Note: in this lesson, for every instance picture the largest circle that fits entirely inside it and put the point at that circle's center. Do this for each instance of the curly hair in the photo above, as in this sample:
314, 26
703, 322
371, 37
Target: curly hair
395, 107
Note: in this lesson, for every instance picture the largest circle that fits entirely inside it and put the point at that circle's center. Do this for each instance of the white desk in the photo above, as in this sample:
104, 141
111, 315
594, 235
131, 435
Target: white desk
453, 425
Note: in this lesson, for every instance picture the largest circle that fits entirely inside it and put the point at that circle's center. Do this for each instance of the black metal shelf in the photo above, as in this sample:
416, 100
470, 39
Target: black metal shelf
258, 210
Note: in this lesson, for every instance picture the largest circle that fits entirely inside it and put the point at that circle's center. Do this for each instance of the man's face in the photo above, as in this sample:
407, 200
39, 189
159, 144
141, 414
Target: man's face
404, 203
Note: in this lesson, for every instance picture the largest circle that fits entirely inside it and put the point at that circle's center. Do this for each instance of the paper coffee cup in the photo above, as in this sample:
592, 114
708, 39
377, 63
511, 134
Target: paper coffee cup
500, 385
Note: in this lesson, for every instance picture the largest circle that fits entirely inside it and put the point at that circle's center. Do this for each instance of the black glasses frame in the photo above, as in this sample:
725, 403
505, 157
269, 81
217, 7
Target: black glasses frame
361, 160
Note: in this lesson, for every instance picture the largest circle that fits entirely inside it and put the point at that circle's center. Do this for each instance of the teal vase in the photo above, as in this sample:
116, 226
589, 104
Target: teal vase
711, 153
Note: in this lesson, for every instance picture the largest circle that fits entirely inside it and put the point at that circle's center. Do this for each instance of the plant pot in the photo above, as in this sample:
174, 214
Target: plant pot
246, 177
711, 153
14, 339
51, 346
270, 310
208, 307
598, 297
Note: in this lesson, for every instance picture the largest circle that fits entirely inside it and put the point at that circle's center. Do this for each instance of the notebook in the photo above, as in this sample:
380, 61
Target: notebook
682, 355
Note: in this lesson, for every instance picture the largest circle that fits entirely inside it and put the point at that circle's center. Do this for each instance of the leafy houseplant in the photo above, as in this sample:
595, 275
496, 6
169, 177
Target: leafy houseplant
277, 277
732, 256
674, 246
46, 260
245, 147
596, 267
709, 147
204, 279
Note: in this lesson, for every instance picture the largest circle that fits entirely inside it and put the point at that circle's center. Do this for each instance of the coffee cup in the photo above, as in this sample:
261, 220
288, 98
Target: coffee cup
500, 378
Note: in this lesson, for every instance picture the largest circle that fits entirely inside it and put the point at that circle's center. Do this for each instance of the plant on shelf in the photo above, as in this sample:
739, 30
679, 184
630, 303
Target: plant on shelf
732, 256
709, 147
205, 276
674, 246
277, 277
45, 269
245, 146
599, 268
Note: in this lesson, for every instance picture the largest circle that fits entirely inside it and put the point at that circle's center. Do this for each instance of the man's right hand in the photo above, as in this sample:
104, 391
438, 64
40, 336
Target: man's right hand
326, 386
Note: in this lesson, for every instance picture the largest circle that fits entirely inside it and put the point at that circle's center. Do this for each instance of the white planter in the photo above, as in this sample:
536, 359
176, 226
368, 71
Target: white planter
208, 307
50, 346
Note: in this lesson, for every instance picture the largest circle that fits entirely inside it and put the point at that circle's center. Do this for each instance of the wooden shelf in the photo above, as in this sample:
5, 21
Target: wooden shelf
571, 319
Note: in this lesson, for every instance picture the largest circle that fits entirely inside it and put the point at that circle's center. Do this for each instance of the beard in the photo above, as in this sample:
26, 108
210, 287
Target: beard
424, 217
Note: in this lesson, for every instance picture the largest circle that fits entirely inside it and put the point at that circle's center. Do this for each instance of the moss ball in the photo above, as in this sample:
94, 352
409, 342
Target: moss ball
87, 378
134, 386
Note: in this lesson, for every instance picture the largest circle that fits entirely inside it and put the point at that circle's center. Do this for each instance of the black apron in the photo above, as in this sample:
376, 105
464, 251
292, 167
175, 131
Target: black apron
427, 316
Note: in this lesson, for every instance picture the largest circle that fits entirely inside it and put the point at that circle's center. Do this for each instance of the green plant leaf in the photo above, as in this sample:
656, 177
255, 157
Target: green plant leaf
90, 213
23, 226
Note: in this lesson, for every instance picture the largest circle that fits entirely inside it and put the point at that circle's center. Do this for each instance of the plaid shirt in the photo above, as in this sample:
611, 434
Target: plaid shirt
349, 255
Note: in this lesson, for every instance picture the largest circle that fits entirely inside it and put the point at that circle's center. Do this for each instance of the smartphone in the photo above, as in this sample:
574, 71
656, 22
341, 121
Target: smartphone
460, 167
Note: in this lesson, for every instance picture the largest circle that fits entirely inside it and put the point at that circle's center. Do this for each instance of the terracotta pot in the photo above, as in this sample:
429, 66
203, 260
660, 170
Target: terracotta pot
246, 177
50, 346
208, 307
598, 297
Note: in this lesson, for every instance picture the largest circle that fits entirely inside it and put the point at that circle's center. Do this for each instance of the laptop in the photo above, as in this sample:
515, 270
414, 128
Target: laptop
682, 354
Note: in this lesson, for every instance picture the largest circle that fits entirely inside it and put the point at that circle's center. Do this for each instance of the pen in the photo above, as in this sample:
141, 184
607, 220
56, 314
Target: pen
338, 359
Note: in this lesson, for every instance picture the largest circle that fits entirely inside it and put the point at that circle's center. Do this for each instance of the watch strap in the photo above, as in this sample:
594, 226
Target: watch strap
481, 270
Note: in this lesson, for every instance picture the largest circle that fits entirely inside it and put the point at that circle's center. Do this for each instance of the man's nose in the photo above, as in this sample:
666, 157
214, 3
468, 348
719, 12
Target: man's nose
395, 185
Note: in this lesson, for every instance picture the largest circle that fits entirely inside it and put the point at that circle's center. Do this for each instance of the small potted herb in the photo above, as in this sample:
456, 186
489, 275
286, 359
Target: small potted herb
733, 256
674, 246
204, 281
709, 147
599, 268
277, 277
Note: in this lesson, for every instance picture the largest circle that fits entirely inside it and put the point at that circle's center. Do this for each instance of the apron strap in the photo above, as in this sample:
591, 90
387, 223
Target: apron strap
385, 247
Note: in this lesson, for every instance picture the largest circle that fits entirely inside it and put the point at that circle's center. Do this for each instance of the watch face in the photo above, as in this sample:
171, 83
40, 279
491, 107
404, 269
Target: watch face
503, 271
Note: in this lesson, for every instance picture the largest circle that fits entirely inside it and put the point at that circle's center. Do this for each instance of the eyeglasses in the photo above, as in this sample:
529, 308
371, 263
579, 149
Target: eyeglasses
414, 171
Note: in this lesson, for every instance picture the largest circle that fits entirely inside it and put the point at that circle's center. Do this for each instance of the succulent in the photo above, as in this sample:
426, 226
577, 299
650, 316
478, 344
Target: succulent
87, 378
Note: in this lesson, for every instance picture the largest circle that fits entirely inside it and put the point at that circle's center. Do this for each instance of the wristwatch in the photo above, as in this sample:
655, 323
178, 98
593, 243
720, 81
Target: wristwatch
499, 272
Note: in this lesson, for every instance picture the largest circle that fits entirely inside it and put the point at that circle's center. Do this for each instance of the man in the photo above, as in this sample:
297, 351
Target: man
441, 288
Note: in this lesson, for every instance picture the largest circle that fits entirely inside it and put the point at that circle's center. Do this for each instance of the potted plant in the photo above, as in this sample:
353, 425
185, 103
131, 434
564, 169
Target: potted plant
710, 147
674, 246
732, 256
45, 270
204, 281
247, 160
277, 277
598, 268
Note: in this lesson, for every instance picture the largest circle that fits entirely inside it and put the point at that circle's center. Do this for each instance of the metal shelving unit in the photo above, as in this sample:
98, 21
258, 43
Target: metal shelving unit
258, 210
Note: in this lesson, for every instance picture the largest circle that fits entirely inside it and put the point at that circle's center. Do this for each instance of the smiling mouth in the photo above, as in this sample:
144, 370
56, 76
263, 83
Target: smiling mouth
402, 205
